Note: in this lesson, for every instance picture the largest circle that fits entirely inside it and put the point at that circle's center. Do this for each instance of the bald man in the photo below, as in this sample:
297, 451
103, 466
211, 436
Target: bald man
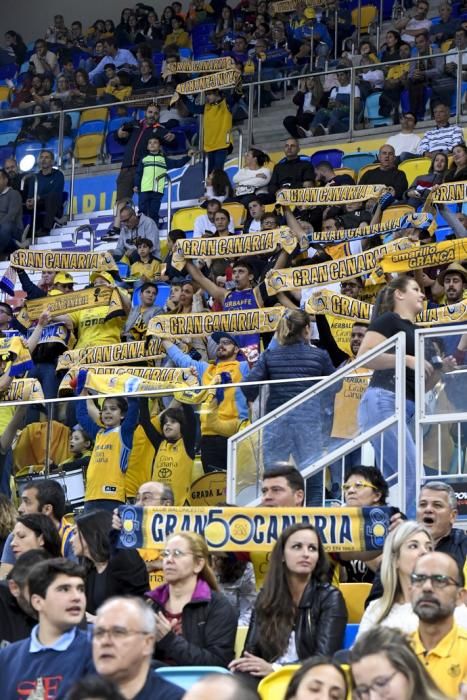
221, 687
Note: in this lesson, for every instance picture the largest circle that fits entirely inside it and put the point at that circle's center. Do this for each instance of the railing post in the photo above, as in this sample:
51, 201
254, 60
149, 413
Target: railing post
72, 188
459, 86
352, 103
359, 20
335, 33
259, 89
34, 210
61, 129
249, 136
169, 202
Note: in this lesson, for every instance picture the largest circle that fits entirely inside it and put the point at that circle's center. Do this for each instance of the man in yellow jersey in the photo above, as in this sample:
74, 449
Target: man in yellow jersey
44, 496
91, 325
437, 585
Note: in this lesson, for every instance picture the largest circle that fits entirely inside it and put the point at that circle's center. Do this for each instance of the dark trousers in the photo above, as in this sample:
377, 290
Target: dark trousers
150, 203
102, 504
9, 233
304, 120
49, 208
213, 453
125, 183
216, 159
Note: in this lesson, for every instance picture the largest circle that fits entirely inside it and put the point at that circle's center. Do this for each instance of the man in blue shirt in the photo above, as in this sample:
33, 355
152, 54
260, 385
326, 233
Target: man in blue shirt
122, 647
46, 664
121, 58
50, 187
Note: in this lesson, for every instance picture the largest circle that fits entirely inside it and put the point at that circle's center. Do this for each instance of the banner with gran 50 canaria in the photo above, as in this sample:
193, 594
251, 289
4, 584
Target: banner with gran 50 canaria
254, 529
257, 243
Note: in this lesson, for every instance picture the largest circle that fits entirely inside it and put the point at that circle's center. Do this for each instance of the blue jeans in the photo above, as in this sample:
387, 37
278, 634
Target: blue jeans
150, 203
337, 120
376, 405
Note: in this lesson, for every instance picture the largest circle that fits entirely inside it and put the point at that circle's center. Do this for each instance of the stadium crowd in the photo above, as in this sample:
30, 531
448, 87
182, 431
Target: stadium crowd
82, 617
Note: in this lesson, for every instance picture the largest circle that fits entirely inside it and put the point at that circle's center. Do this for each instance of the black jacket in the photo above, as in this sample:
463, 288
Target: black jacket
319, 625
139, 134
454, 544
15, 624
126, 574
291, 173
209, 624
391, 178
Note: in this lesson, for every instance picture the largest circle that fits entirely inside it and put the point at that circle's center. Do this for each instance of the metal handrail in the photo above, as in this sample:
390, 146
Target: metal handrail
72, 189
167, 177
34, 210
238, 130
81, 229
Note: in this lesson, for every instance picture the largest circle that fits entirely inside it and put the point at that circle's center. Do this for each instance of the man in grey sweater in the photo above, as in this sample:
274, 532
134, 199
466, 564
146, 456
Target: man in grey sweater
132, 227
11, 215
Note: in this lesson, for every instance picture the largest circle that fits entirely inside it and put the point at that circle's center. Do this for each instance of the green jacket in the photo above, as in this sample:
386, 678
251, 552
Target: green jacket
149, 169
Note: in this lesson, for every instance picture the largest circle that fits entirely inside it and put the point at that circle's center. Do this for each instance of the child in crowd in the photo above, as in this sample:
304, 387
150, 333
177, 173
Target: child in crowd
147, 268
150, 179
112, 430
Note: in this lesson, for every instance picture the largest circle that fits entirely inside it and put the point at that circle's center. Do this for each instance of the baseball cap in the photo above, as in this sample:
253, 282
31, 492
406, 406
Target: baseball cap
101, 273
63, 278
218, 335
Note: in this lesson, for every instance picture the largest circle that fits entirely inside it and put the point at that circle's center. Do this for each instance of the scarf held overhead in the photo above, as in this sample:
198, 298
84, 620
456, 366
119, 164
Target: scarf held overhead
215, 81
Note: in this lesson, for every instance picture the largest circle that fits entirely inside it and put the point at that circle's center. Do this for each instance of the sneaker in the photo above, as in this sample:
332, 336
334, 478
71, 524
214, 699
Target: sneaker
303, 133
112, 234
320, 130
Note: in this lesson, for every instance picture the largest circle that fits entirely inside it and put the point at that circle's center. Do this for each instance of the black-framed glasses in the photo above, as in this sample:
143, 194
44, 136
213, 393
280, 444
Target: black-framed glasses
437, 580
379, 685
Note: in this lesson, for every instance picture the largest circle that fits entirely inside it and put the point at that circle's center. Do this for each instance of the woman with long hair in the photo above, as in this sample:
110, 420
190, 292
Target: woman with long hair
403, 546
16, 45
396, 308
318, 678
383, 660
196, 625
458, 169
109, 572
421, 187
251, 181
236, 579
390, 49
308, 100
35, 531
297, 613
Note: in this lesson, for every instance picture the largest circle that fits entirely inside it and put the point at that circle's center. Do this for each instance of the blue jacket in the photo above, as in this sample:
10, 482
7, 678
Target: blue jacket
287, 362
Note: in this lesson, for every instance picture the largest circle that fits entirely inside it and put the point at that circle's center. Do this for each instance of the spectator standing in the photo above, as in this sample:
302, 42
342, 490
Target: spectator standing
217, 140
57, 653
443, 137
440, 645
122, 648
150, 179
11, 215
387, 173
50, 189
297, 612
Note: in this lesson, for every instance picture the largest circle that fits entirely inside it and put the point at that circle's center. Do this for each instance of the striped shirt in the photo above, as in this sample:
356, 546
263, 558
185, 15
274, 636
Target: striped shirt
441, 138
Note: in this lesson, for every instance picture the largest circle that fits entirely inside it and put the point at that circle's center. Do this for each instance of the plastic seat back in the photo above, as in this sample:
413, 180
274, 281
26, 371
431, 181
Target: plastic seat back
186, 676
355, 595
274, 686
331, 155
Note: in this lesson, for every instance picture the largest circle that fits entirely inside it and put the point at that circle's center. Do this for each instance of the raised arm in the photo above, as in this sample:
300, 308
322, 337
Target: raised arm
216, 292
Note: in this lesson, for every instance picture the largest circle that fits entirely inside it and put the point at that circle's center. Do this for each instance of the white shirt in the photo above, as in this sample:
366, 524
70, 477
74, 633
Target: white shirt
254, 226
202, 224
413, 25
404, 143
344, 90
402, 617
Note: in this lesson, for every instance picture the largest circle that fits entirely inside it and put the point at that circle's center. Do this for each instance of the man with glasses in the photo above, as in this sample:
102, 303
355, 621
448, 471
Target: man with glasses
123, 642
132, 227
437, 586
58, 653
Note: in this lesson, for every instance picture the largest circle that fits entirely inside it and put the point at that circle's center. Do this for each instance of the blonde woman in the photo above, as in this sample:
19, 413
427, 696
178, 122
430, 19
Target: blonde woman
402, 548
196, 625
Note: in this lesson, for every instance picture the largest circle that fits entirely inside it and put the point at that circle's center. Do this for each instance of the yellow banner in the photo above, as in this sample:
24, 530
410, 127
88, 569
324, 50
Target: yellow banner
234, 246
430, 255
58, 260
209, 490
118, 354
331, 271
23, 390
214, 81
106, 380
254, 529
414, 220
285, 6
450, 192
164, 376
209, 65
323, 196
203, 324
72, 301
14, 349
326, 302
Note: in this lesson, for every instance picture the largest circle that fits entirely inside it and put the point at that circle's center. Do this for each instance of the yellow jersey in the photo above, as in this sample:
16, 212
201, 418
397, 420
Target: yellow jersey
447, 662
92, 328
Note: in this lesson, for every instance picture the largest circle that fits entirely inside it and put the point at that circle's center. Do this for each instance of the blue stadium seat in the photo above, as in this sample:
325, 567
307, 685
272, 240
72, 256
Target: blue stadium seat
6, 152
26, 148
116, 123
351, 632
95, 126
8, 137
13, 126
8, 71
114, 148
371, 111
405, 103
332, 155
186, 676
52, 145
75, 117
163, 292
358, 160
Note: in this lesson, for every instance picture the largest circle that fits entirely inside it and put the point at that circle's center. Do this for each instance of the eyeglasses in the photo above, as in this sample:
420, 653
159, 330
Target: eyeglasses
380, 686
174, 553
115, 633
437, 580
358, 485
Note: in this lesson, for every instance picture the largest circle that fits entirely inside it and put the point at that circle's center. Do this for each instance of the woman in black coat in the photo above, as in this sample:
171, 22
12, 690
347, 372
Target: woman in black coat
458, 170
109, 573
297, 613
